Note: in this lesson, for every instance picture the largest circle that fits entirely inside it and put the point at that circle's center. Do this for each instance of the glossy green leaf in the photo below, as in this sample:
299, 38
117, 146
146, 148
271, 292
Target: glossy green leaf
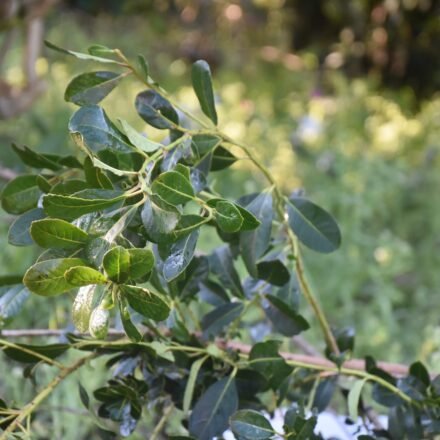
137, 139
181, 254
58, 234
83, 202
202, 84
92, 87
265, 359
173, 188
156, 110
215, 321
141, 262
83, 276
20, 194
100, 50
68, 187
204, 143
12, 298
46, 278
228, 216
50, 351
130, 329
146, 302
222, 266
159, 222
116, 264
80, 55
323, 394
19, 234
248, 424
353, 399
95, 177
97, 132
313, 226
273, 272
99, 323
210, 415
253, 244
82, 307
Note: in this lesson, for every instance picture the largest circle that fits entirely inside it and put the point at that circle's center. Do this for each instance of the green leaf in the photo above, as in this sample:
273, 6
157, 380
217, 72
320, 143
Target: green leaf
156, 110
95, 177
116, 264
46, 278
298, 426
97, 132
222, 159
99, 323
353, 399
82, 307
130, 329
228, 216
273, 272
202, 84
68, 187
21, 194
418, 370
19, 234
51, 351
83, 202
138, 140
222, 266
146, 302
265, 359
99, 49
211, 413
204, 143
323, 394
57, 234
313, 226
173, 188
91, 88
248, 424
37, 160
216, 320
79, 55
83, 395
143, 69
12, 298
181, 254
284, 318
84, 276
141, 262
253, 244
191, 383
159, 222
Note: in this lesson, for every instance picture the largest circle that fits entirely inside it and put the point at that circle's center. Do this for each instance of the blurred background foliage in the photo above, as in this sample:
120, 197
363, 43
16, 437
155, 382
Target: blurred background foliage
340, 98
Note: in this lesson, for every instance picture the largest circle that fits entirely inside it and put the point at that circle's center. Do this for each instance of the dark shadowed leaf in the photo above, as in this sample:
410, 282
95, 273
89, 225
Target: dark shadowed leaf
19, 234
91, 88
285, 319
222, 266
146, 302
216, 320
313, 226
130, 329
181, 254
299, 427
46, 278
58, 234
211, 413
251, 425
418, 370
221, 159
253, 244
202, 84
51, 351
21, 194
83, 395
324, 393
273, 272
265, 359
156, 110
